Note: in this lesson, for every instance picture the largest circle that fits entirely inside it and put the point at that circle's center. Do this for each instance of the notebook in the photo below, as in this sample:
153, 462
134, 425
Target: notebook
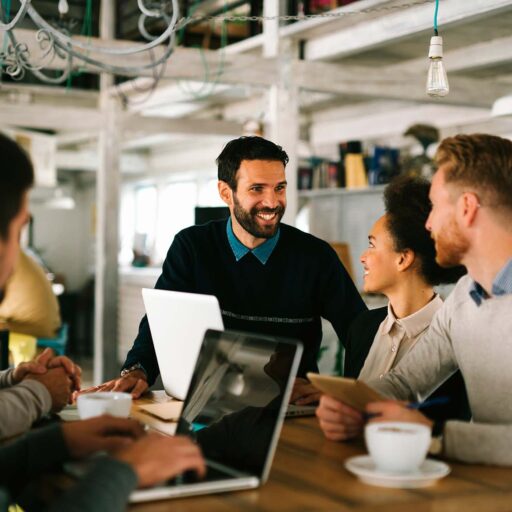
234, 410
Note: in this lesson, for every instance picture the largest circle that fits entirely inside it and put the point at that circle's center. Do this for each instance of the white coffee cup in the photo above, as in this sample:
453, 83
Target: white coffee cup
397, 447
104, 402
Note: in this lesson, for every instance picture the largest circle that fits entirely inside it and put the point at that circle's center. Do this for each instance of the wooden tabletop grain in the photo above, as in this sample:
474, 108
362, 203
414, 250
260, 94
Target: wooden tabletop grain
308, 474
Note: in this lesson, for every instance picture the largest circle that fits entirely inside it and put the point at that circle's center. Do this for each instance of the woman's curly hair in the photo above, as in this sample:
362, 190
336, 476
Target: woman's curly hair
408, 207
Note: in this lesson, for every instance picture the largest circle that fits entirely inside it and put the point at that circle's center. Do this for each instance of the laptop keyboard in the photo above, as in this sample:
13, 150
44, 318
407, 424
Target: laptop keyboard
191, 477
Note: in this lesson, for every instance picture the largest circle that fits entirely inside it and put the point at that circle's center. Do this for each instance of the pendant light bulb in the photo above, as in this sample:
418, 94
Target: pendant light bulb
437, 81
63, 7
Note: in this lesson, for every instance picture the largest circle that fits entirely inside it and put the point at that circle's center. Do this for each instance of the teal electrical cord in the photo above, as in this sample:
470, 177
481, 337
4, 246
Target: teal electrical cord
85, 31
6, 7
436, 10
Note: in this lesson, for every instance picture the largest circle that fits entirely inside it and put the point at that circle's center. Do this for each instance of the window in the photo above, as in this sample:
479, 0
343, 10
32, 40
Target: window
151, 215
175, 212
127, 226
145, 211
209, 194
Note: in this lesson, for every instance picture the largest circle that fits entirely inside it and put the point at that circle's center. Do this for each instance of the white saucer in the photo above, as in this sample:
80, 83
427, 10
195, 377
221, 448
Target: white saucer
428, 473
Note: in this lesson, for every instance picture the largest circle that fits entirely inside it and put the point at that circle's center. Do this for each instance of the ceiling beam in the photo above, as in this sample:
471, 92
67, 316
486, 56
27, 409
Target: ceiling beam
16, 93
189, 63
408, 85
405, 85
135, 126
87, 121
382, 119
184, 63
476, 56
49, 117
338, 19
88, 160
398, 25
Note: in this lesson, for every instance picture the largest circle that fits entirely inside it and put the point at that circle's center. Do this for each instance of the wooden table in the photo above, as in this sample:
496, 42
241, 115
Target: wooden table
308, 475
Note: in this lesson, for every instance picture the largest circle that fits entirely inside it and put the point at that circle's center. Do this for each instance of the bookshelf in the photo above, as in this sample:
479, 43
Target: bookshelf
344, 215
327, 192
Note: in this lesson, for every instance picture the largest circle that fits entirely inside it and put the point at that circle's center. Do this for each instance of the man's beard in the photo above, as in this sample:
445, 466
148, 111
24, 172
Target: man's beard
247, 219
451, 245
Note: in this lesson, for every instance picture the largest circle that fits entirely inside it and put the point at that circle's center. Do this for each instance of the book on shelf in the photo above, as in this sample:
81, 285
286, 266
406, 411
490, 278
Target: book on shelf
319, 174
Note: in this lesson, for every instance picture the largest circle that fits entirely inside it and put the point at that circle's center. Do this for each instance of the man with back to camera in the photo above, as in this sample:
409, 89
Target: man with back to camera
33, 389
137, 459
269, 277
471, 223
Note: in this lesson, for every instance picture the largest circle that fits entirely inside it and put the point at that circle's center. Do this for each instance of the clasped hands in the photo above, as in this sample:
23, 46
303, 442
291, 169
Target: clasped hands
58, 374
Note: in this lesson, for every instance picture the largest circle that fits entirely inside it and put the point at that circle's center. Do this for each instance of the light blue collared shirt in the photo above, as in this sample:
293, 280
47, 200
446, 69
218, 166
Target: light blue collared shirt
502, 285
262, 252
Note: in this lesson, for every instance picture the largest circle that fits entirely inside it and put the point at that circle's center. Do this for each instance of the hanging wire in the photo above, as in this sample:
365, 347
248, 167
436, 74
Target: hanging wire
5, 6
85, 31
436, 10
209, 83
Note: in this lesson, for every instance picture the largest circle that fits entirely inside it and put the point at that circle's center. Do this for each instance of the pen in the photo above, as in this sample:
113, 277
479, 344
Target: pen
438, 400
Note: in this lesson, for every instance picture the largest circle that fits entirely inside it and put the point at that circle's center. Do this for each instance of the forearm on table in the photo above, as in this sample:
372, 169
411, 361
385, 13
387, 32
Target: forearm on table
478, 443
21, 405
31, 455
6, 379
105, 488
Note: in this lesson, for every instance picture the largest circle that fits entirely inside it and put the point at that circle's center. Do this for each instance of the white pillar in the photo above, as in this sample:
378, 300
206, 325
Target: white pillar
107, 220
283, 118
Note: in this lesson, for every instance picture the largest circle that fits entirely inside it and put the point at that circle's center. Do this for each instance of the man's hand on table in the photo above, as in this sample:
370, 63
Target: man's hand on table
340, 422
103, 433
156, 458
134, 382
304, 393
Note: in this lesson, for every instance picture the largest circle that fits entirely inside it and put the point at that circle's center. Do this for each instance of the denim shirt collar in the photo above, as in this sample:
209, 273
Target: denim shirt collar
502, 285
262, 252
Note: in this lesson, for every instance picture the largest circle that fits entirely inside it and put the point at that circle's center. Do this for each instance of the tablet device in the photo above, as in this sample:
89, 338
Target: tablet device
352, 392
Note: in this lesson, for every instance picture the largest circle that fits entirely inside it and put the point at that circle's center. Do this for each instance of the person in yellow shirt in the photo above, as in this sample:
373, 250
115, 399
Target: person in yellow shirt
29, 305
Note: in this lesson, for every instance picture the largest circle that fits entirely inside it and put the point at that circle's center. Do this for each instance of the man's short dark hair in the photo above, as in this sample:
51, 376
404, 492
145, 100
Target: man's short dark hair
407, 209
246, 148
16, 177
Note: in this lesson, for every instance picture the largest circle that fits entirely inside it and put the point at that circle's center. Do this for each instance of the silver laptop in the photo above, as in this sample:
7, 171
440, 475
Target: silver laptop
234, 410
177, 322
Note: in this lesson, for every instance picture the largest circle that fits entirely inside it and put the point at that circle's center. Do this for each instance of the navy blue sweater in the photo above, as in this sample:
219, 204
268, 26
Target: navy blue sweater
302, 281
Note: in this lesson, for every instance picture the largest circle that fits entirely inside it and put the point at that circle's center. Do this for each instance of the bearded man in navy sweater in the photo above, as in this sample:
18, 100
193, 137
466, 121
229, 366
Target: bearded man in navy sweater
269, 277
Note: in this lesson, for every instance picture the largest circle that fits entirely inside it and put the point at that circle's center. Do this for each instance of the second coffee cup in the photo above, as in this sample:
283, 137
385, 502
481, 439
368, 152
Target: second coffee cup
397, 447
104, 402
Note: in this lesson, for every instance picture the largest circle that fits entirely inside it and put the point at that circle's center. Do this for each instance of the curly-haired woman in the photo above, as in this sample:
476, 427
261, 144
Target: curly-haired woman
400, 263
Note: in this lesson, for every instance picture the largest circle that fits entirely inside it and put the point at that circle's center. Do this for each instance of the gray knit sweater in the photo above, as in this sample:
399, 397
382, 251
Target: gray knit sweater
21, 404
478, 340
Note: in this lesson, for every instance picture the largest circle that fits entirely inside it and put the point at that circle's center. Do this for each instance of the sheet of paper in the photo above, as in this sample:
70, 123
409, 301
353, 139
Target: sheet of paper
168, 411
349, 391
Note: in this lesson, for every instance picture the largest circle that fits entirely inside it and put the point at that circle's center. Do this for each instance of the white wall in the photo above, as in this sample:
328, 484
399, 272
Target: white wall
65, 238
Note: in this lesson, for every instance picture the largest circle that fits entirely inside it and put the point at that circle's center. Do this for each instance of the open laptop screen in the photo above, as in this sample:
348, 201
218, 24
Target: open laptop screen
237, 398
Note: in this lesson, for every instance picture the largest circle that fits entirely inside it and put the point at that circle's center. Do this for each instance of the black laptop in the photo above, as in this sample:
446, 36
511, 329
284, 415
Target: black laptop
234, 410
